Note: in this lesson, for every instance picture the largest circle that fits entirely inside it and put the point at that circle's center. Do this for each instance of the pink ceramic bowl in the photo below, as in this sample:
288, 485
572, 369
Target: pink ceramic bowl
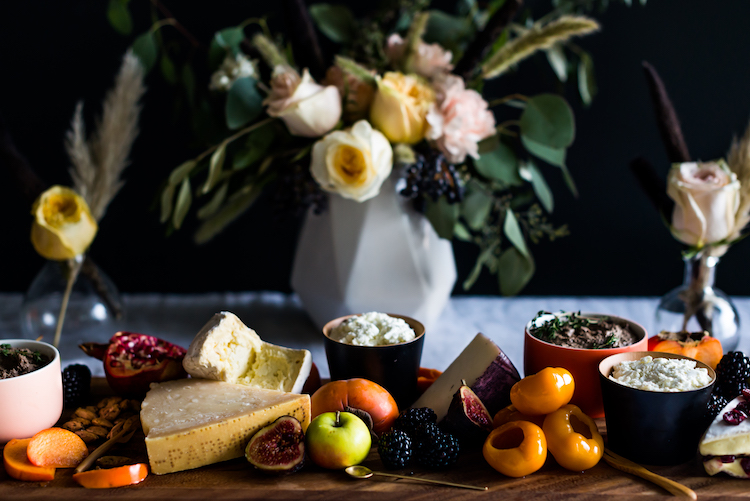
583, 364
34, 401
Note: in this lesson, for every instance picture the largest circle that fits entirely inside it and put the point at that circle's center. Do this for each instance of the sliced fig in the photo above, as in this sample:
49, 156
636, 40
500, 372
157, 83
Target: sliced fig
133, 361
278, 447
467, 417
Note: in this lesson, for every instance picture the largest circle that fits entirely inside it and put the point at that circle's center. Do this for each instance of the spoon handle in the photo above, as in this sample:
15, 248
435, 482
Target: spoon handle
463, 486
619, 462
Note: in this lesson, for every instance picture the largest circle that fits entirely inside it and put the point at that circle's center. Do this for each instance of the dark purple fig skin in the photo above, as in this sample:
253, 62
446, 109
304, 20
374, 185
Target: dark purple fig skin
278, 447
467, 417
493, 386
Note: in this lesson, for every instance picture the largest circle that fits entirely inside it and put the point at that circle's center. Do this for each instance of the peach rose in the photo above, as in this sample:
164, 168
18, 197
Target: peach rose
459, 120
307, 108
429, 61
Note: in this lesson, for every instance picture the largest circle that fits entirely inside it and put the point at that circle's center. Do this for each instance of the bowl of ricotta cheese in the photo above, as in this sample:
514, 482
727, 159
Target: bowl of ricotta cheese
383, 347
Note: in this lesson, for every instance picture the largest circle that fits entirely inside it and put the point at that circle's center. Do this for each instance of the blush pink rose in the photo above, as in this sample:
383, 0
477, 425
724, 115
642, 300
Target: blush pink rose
459, 120
430, 60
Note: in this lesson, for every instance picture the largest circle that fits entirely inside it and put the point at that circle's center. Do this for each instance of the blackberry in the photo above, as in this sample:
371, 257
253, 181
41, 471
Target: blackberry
411, 419
395, 449
732, 374
431, 175
439, 452
297, 192
76, 384
715, 404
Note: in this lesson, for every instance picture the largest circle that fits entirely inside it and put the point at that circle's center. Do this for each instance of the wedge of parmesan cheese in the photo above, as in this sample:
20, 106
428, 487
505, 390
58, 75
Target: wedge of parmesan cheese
196, 422
227, 350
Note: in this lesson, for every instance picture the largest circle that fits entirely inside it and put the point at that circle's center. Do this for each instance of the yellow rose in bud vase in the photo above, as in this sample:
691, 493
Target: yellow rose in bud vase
706, 197
63, 227
400, 107
353, 163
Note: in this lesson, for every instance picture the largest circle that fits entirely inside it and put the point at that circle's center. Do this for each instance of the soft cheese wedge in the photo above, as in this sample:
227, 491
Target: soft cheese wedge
725, 446
196, 422
227, 350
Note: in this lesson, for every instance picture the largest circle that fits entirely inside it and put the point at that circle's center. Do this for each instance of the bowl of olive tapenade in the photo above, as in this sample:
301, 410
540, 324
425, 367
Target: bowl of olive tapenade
578, 342
31, 386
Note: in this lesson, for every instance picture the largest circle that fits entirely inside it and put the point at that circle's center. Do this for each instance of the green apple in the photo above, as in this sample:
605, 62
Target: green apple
336, 440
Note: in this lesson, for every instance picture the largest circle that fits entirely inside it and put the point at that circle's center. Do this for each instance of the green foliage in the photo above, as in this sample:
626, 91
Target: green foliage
541, 188
514, 270
443, 216
184, 200
335, 21
554, 156
500, 165
586, 78
168, 70
256, 145
244, 103
214, 168
119, 16
452, 32
225, 41
548, 120
145, 48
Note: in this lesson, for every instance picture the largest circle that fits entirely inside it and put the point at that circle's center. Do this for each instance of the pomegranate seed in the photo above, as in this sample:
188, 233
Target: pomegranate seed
734, 417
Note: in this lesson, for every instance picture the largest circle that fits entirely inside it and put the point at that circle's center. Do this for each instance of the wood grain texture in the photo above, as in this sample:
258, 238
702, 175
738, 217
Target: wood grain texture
237, 480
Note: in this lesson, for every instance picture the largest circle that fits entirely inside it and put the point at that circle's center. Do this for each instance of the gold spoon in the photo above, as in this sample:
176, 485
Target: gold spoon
360, 471
619, 462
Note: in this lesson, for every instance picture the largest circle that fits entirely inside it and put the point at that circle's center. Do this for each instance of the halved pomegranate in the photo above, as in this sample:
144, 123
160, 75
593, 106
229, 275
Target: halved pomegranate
133, 361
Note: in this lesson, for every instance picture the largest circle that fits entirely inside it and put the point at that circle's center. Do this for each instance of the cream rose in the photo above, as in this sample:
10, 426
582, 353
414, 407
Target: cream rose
459, 120
353, 163
400, 107
63, 227
307, 108
706, 197
429, 61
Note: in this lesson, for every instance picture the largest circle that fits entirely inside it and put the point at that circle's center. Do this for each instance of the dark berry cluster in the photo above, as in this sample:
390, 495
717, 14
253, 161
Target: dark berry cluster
76, 384
297, 192
432, 176
416, 437
732, 374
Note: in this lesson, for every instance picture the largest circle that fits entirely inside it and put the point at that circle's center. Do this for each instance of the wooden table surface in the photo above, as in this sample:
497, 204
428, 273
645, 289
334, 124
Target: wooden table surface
237, 480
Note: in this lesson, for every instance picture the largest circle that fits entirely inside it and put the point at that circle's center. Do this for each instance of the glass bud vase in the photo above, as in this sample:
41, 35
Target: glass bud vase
698, 306
92, 310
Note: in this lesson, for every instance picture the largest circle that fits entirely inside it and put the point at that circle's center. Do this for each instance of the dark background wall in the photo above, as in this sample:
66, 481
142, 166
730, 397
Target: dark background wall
53, 54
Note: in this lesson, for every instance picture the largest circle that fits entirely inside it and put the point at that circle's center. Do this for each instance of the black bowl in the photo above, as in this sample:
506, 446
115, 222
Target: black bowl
653, 427
395, 367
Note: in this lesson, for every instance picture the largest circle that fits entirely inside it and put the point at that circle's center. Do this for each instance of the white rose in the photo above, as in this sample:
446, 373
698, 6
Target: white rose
353, 163
307, 108
706, 197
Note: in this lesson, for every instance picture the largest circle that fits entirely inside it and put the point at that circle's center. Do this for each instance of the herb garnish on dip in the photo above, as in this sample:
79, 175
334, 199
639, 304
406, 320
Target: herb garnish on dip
577, 331
19, 361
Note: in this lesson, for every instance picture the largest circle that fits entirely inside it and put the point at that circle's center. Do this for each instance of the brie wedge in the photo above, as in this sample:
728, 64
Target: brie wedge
725, 446
227, 350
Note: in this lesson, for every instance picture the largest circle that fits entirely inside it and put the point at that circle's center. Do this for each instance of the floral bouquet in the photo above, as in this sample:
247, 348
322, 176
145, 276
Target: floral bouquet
403, 96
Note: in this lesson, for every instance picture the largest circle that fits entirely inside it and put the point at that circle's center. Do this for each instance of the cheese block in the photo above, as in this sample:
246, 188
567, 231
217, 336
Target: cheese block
484, 367
227, 350
725, 446
196, 422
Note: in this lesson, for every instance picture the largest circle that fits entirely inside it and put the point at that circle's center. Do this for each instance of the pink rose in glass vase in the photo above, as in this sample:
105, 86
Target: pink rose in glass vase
459, 120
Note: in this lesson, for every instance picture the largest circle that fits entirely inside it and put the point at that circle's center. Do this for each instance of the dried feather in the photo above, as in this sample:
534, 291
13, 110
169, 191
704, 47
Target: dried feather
739, 163
535, 39
98, 164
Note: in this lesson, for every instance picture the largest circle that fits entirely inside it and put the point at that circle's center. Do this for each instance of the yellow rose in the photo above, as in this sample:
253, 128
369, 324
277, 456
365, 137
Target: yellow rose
400, 107
63, 227
353, 163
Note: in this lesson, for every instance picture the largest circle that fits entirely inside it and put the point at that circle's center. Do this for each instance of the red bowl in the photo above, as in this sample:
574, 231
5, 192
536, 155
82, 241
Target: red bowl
583, 364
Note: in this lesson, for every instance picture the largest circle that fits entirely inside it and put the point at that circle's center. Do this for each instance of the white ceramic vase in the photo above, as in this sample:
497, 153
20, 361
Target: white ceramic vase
377, 255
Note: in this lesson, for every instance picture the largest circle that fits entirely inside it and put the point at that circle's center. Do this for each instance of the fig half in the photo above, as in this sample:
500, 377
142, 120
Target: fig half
467, 417
278, 447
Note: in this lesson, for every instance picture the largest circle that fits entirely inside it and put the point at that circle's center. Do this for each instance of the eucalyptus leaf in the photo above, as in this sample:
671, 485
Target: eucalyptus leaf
569, 181
226, 40
244, 103
214, 168
181, 172
514, 271
451, 32
475, 208
558, 62
184, 199
488, 144
512, 230
541, 188
256, 146
168, 70
231, 211
500, 164
484, 258
335, 21
166, 202
586, 78
554, 156
548, 120
213, 205
119, 16
461, 233
442, 216
144, 47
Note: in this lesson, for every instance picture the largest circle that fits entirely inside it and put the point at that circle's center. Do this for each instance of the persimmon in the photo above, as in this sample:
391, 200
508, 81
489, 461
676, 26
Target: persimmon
356, 393
425, 378
705, 348
112, 477
57, 448
18, 466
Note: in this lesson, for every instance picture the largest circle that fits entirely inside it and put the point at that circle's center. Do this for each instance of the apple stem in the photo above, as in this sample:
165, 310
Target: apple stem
337, 423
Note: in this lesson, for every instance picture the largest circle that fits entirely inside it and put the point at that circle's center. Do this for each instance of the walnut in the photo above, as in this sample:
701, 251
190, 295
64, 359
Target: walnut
84, 413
